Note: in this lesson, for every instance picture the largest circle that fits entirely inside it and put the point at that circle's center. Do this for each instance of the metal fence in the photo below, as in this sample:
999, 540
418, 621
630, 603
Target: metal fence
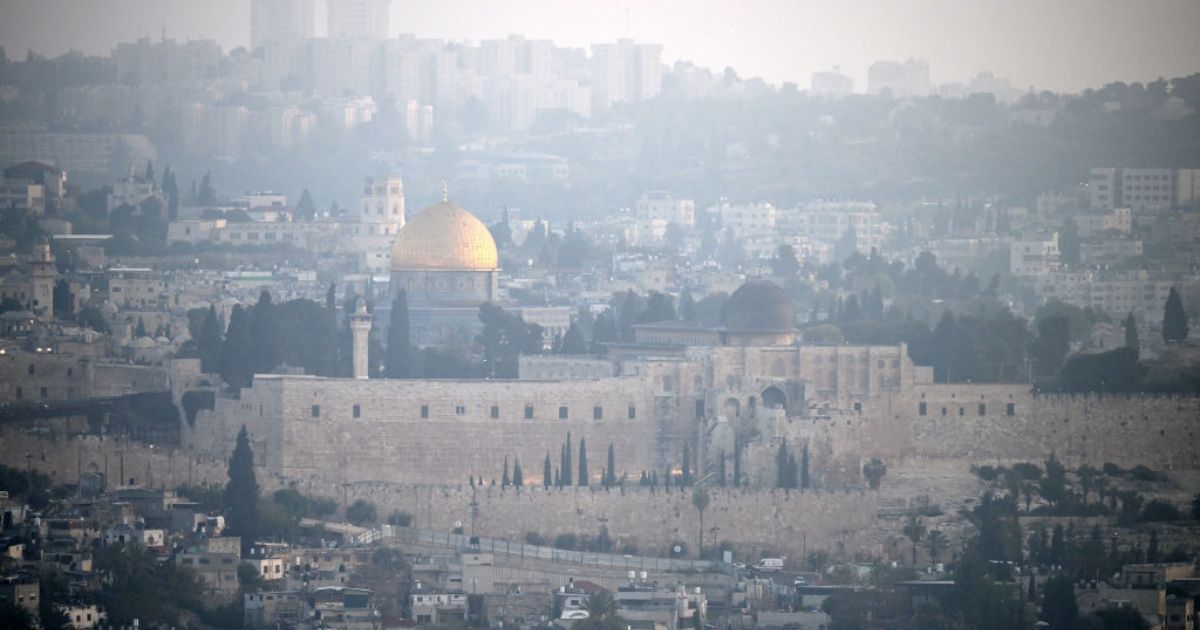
539, 552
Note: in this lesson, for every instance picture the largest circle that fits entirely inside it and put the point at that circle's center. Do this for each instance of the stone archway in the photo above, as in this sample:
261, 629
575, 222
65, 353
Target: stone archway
774, 398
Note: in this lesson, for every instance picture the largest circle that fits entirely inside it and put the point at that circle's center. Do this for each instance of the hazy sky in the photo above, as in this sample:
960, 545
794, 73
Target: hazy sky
1055, 44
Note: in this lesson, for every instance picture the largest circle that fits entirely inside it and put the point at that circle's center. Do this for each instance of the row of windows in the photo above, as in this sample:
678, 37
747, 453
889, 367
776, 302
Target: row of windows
1010, 409
43, 393
564, 412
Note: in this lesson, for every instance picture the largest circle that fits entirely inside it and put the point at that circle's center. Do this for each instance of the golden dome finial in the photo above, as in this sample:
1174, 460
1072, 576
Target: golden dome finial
445, 192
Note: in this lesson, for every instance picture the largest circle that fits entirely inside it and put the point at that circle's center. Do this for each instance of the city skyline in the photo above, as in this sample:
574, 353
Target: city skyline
1066, 46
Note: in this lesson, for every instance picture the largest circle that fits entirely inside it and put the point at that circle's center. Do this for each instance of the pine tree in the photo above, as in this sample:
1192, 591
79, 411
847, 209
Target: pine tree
781, 465
241, 494
667, 480
546, 471
306, 210
209, 342
331, 297
504, 477
792, 472
518, 477
399, 348
139, 331
610, 476
236, 365
687, 307
149, 174
1131, 334
265, 334
1175, 322
584, 478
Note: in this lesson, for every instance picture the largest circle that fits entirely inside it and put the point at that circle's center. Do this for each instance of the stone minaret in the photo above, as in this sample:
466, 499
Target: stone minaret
360, 325
44, 275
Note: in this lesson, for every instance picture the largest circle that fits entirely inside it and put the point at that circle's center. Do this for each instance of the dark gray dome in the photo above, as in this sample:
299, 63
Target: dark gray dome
759, 305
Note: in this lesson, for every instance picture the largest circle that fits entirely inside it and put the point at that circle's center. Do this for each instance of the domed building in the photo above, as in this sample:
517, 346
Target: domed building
759, 313
446, 262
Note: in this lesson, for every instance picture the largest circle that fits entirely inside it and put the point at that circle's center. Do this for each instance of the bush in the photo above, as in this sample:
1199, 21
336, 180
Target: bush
1113, 470
399, 519
629, 549
566, 541
322, 507
534, 538
1141, 473
361, 512
295, 504
1159, 510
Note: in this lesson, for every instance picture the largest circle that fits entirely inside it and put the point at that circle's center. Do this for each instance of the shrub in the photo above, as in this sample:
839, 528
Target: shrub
322, 507
1113, 470
361, 512
399, 519
629, 549
1141, 473
566, 541
1159, 510
534, 538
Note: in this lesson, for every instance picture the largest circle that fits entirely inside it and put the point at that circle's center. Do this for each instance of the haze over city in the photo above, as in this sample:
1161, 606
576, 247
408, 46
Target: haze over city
1063, 46
663, 315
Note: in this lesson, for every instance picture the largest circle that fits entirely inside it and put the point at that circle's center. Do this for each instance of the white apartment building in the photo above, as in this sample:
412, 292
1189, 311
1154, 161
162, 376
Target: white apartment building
903, 79
1094, 224
832, 83
1142, 189
1114, 293
829, 221
661, 205
746, 219
1034, 256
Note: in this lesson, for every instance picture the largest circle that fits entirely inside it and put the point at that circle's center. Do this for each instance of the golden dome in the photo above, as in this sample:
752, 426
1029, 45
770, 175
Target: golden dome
444, 237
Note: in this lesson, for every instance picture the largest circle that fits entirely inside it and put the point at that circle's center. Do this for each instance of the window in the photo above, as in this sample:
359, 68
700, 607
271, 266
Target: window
529, 412
597, 413
943, 411
460, 410
1010, 409
424, 411
20, 394
699, 409
495, 411
31, 368
70, 372
858, 407
632, 412
563, 413
316, 411
922, 408
43, 392
982, 409
357, 410
962, 411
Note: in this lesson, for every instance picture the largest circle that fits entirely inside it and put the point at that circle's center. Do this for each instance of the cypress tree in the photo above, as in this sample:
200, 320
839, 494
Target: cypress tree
209, 342
399, 345
781, 465
686, 479
331, 297
584, 478
241, 493
667, 480
804, 480
1175, 323
139, 331
721, 478
504, 477
546, 471
737, 464
264, 331
1131, 334
792, 476
236, 361
566, 467
610, 477
654, 479
573, 342
518, 477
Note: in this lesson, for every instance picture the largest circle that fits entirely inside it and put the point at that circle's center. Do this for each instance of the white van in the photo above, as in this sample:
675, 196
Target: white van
770, 564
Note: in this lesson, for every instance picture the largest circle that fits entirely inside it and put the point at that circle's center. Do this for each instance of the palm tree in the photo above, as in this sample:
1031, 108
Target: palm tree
602, 613
914, 530
936, 542
700, 499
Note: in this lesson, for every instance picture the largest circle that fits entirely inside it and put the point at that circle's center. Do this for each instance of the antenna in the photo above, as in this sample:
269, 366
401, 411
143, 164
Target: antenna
445, 192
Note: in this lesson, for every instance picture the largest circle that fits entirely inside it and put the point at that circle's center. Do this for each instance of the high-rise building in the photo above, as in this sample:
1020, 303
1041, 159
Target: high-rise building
903, 79
625, 72
360, 20
275, 21
1142, 189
